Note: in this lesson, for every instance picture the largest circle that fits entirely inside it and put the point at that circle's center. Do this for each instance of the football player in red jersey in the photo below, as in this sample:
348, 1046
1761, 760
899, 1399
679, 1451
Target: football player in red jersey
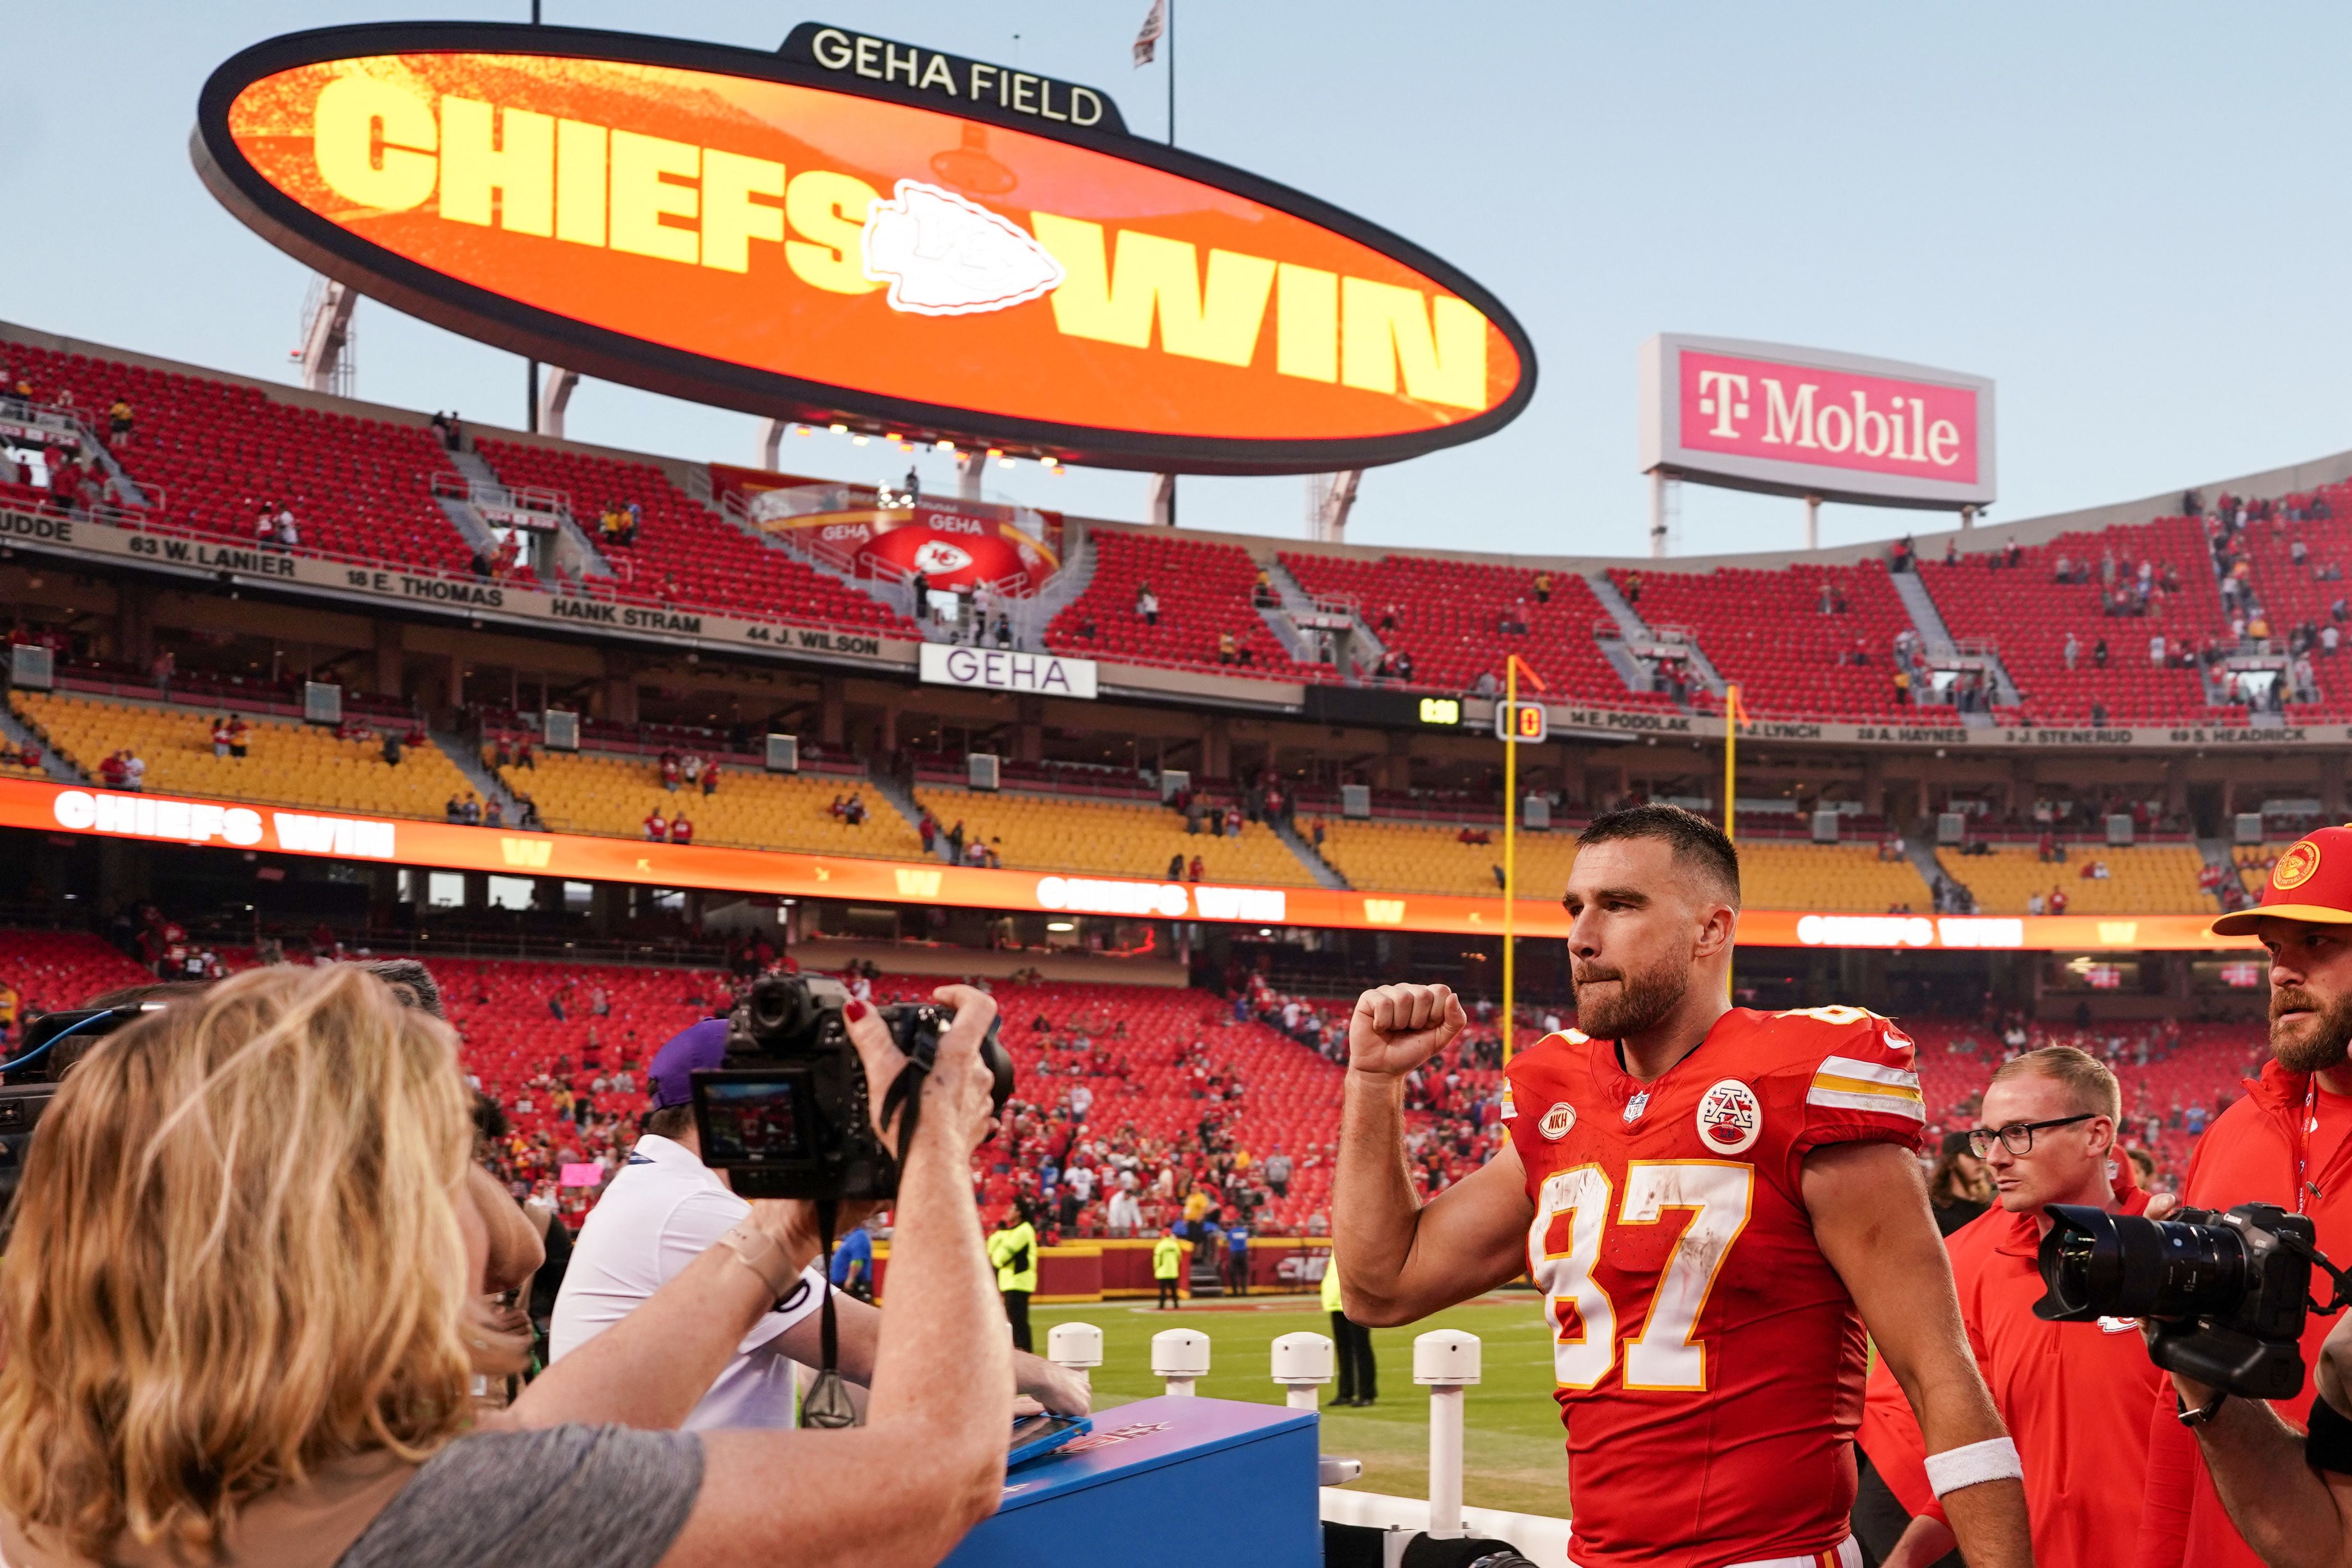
1714, 1201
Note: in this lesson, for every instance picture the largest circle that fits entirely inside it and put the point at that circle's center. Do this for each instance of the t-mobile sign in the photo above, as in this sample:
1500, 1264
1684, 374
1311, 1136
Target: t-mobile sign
1762, 417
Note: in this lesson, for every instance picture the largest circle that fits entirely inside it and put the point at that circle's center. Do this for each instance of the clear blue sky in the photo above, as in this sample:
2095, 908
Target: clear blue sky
2131, 216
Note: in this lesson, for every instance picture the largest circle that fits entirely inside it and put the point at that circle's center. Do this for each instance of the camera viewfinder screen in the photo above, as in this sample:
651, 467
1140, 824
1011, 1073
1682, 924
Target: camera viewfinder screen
755, 1122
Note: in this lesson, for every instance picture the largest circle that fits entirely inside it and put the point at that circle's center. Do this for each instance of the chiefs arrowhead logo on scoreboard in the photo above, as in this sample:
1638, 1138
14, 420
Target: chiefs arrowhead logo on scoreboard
923, 245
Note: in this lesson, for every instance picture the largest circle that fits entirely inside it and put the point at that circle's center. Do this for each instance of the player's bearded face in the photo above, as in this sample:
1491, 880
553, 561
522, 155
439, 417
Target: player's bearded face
2309, 1033
1617, 999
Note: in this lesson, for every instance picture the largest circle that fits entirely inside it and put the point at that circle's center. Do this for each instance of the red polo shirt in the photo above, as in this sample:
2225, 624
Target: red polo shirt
2074, 1398
2249, 1155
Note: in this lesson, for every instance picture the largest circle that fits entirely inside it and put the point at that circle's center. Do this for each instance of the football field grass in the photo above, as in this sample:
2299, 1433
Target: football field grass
1512, 1439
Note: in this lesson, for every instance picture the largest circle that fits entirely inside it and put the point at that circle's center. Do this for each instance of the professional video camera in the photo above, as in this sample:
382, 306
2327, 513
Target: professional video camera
788, 1115
2226, 1294
28, 1083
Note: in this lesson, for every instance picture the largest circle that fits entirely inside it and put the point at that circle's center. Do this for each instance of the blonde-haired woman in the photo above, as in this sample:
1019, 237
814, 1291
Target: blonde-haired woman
241, 1315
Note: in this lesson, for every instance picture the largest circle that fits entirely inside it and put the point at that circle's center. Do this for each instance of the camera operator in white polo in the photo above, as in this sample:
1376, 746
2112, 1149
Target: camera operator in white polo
664, 1209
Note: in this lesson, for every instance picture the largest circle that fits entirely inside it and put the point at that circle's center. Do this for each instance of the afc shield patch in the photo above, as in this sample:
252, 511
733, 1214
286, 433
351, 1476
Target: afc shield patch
1731, 1119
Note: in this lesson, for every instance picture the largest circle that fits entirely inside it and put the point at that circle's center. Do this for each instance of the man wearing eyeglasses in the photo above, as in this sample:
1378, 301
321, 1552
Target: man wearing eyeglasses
2288, 1142
2074, 1396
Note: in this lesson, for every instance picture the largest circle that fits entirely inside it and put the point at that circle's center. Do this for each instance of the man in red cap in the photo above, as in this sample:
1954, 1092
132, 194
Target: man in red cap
2285, 1142
2074, 1395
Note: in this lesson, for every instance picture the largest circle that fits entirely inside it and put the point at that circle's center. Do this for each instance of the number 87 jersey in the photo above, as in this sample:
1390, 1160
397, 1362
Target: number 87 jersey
1709, 1361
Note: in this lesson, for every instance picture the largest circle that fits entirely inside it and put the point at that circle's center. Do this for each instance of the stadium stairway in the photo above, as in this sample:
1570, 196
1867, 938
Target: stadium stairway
19, 735
579, 556
1294, 599
2218, 853
485, 782
893, 789
1631, 628
1363, 648
1325, 872
1630, 624
467, 520
1936, 638
1031, 617
1921, 848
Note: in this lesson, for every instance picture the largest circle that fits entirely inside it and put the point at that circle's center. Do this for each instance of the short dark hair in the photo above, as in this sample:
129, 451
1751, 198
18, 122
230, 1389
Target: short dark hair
1694, 839
419, 981
670, 1121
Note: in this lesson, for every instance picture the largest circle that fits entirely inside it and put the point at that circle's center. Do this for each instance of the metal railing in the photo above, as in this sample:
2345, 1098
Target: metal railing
507, 506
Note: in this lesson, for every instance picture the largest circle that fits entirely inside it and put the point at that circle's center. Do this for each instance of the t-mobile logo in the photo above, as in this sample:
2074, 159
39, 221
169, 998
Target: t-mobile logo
1724, 395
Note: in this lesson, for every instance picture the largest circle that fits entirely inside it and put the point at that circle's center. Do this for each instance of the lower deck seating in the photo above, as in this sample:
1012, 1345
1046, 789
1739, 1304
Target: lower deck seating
2254, 862
1848, 877
1144, 842
1403, 857
287, 764
2147, 879
1154, 1062
1420, 857
53, 970
751, 810
2161, 1076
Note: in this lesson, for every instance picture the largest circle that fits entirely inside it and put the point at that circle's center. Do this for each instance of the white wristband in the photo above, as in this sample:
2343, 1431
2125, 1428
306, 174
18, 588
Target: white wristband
1994, 1460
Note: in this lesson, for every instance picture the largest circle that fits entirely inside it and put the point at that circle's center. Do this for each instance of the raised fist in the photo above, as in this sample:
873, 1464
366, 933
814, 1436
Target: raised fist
1395, 1029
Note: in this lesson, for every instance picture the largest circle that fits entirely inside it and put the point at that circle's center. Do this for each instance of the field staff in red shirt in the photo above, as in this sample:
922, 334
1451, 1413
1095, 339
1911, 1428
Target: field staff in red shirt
2075, 1395
2285, 1142
1714, 1202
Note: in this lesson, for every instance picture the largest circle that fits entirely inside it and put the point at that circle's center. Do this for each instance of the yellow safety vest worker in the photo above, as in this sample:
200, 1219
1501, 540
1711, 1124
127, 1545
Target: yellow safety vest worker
1167, 1258
1014, 1251
1330, 1283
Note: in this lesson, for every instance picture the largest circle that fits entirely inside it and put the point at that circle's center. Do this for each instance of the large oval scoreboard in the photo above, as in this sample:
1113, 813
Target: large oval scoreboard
855, 229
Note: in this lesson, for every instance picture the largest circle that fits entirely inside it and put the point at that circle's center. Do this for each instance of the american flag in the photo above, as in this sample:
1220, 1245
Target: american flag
1155, 24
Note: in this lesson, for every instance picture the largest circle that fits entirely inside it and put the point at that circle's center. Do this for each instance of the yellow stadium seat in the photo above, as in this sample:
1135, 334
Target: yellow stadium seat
587, 792
1413, 857
286, 764
1055, 833
2144, 879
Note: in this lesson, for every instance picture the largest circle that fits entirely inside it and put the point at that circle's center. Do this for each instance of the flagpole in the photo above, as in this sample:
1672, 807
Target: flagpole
1171, 32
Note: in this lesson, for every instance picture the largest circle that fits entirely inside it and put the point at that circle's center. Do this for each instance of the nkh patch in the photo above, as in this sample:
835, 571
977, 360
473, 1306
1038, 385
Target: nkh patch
1558, 1121
1731, 1119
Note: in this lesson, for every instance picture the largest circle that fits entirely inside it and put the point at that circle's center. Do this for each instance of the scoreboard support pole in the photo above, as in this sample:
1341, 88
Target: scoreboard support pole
1732, 714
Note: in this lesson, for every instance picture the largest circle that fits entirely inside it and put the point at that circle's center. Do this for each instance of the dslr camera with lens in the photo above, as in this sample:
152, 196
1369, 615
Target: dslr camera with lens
2226, 1294
788, 1116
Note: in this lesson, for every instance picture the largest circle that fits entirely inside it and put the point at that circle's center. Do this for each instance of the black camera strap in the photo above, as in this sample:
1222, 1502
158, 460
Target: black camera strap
828, 1404
2341, 1278
905, 1093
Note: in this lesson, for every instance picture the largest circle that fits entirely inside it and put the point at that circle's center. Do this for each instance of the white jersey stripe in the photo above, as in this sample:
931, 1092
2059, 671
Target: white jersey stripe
1883, 1102
1877, 1073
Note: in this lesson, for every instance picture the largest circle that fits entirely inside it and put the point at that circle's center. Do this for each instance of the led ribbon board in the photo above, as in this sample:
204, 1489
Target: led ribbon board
773, 234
